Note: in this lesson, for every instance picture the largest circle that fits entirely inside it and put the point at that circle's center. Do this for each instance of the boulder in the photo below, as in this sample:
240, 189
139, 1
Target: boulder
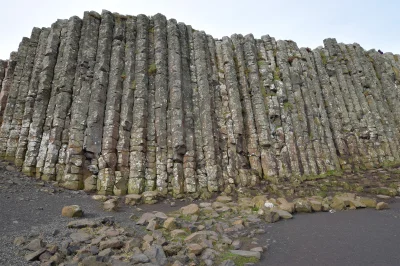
145, 218
34, 255
283, 214
133, 199
195, 249
150, 197
346, 200
72, 211
316, 205
170, 223
302, 205
156, 255
271, 216
382, 206
368, 202
110, 205
287, 206
190, 209
259, 201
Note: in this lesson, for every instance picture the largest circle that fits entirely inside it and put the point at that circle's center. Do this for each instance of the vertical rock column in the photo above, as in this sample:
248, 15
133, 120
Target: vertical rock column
189, 159
356, 146
15, 127
235, 123
10, 101
3, 68
161, 100
201, 175
367, 129
128, 89
175, 92
92, 145
319, 129
31, 97
6, 83
268, 160
311, 165
387, 137
71, 154
63, 98
224, 125
250, 136
151, 169
40, 160
111, 181
330, 105
139, 124
273, 90
205, 111
42, 98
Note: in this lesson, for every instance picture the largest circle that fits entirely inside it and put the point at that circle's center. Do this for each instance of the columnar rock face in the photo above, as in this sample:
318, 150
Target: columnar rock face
122, 104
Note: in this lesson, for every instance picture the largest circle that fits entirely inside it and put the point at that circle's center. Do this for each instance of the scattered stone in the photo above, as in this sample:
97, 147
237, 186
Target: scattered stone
156, 255
110, 205
271, 216
150, 197
316, 205
190, 209
245, 253
139, 258
194, 248
283, 214
236, 244
224, 199
382, 206
302, 205
82, 224
133, 199
111, 243
170, 223
80, 237
19, 241
35, 244
72, 211
34, 255
287, 206
145, 218
368, 202
257, 249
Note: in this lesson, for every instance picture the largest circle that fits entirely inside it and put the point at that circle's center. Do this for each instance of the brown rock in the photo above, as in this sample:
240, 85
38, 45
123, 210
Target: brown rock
382, 206
194, 248
170, 223
72, 211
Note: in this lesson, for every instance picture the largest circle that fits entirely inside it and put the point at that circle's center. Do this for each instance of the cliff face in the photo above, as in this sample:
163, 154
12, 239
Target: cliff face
122, 104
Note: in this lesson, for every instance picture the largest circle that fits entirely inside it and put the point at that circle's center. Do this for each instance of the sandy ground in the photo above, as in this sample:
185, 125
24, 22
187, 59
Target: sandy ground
362, 237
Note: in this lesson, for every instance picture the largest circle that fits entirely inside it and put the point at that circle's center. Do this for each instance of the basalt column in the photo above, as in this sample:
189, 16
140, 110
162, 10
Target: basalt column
139, 122
7, 82
118, 104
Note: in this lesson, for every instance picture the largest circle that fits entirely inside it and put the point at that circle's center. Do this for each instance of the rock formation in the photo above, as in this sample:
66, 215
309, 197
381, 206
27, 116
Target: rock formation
126, 104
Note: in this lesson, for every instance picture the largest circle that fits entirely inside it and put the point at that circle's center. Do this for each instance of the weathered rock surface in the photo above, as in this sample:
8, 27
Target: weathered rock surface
121, 105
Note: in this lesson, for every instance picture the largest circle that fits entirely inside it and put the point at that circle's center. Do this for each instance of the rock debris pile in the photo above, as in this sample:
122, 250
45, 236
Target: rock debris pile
126, 104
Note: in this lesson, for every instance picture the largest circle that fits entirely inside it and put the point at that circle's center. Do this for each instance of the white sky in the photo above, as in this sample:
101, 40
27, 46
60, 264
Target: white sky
373, 24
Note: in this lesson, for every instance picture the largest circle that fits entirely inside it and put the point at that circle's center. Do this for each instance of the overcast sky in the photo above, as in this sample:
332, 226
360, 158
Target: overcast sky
373, 24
